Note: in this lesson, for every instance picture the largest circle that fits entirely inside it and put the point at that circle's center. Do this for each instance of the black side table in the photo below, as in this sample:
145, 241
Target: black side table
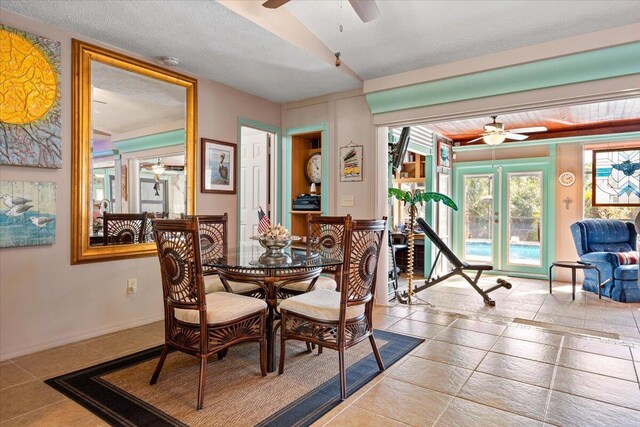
573, 265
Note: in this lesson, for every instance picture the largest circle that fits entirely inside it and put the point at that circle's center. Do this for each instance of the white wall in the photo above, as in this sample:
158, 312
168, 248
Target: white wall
44, 301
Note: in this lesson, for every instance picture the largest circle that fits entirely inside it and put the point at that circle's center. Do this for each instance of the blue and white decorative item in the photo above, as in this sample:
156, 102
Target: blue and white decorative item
27, 213
616, 177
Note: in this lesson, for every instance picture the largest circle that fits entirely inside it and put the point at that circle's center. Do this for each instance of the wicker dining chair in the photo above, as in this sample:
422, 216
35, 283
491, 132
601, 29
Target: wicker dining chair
339, 320
325, 235
214, 242
197, 323
124, 228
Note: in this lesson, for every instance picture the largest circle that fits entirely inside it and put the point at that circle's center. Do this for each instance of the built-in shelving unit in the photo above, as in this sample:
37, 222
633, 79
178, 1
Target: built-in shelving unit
302, 147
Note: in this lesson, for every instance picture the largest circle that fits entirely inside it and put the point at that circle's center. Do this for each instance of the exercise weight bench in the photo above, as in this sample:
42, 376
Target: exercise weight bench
459, 268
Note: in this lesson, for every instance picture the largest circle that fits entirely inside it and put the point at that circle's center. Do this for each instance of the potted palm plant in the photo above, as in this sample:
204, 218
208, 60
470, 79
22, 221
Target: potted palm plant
412, 199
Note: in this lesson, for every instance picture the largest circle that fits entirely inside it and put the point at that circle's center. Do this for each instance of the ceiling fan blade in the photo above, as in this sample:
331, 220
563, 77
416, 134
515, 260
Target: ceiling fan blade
529, 129
367, 10
516, 136
474, 140
274, 4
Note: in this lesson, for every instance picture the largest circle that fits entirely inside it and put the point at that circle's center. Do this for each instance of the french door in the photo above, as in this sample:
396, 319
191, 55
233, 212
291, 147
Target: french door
503, 216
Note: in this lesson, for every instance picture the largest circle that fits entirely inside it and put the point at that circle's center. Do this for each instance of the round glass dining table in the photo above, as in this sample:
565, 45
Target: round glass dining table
250, 263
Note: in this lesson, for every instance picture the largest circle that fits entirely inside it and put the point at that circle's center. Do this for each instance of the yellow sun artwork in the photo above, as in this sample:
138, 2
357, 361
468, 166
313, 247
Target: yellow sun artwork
30, 126
28, 85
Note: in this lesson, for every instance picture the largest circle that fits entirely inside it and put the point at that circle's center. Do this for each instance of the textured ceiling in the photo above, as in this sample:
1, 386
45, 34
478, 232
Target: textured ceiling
414, 34
212, 41
126, 102
209, 39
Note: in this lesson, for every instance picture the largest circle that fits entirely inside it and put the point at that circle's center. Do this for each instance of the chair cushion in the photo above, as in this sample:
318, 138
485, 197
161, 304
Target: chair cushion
222, 307
626, 258
321, 304
323, 282
212, 283
626, 272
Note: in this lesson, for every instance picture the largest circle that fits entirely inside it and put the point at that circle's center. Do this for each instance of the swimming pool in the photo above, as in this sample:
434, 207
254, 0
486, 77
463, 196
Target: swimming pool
519, 253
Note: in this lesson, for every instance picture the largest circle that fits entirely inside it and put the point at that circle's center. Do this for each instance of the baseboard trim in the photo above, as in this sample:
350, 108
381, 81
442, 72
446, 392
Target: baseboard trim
70, 339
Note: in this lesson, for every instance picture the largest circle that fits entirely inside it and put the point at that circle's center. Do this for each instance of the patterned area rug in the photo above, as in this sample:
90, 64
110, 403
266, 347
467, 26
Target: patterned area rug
235, 393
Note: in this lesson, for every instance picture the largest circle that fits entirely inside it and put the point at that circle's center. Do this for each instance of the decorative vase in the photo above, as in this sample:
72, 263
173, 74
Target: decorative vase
275, 248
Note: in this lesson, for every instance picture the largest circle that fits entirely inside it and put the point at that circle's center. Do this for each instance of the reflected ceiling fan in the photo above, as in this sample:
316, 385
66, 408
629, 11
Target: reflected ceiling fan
495, 133
367, 10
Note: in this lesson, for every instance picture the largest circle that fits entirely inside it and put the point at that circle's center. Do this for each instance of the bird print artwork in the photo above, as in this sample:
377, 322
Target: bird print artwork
27, 213
223, 170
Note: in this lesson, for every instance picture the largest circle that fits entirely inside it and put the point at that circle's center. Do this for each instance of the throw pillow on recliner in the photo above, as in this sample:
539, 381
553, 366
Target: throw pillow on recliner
627, 258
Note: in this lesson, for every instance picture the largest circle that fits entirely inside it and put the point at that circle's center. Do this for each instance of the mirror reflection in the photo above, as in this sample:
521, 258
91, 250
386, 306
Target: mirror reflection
137, 154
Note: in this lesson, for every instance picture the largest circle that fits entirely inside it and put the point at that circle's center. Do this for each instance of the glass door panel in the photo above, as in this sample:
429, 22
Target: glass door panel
524, 218
478, 218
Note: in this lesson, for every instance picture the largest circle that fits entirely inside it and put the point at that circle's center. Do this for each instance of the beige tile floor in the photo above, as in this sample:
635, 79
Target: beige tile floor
476, 367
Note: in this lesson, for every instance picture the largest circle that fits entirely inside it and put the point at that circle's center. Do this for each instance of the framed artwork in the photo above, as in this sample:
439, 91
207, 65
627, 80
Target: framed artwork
616, 177
218, 167
444, 153
351, 158
27, 213
30, 117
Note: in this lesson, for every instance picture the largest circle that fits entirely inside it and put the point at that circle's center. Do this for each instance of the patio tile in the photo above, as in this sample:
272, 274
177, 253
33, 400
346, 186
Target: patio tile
463, 412
570, 410
479, 326
432, 375
467, 338
394, 310
124, 341
537, 335
519, 398
62, 414
513, 314
23, 398
12, 374
526, 349
598, 347
598, 387
354, 416
598, 364
571, 322
57, 361
624, 331
419, 407
438, 319
517, 369
382, 321
444, 352
418, 329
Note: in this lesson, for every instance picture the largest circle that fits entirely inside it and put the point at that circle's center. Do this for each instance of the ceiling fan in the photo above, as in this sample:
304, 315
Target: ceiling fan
495, 133
367, 10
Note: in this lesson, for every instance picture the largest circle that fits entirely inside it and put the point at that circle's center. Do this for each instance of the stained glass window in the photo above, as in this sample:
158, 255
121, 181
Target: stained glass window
616, 177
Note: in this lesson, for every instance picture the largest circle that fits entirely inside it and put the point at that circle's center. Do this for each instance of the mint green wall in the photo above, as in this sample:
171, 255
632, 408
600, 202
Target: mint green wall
148, 142
616, 61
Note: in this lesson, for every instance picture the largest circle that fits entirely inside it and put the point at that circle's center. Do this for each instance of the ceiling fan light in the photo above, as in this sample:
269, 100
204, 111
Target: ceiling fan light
494, 138
158, 168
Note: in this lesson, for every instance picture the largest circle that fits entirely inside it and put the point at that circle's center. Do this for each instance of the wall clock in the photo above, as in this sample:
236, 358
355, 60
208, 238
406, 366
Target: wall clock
313, 168
567, 179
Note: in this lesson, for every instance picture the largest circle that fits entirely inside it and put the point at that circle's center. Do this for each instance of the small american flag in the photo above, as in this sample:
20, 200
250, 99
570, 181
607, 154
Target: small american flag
263, 221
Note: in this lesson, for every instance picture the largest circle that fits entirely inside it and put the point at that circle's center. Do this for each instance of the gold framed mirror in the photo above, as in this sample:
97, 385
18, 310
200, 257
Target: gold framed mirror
133, 152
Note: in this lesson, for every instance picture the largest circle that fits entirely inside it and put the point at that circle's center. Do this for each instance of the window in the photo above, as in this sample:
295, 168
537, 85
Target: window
608, 212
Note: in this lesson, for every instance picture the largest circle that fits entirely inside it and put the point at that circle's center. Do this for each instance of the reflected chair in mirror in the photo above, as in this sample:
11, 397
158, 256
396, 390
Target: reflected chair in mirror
325, 235
196, 323
148, 231
215, 243
339, 319
124, 228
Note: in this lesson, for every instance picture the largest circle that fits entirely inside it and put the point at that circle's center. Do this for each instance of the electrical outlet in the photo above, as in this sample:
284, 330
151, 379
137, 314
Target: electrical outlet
132, 287
347, 200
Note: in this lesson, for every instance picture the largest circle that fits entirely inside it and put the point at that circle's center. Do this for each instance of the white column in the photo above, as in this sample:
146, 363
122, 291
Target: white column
133, 184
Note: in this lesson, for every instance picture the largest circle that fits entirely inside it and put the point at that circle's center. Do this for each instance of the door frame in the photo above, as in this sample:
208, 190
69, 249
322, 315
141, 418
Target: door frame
275, 171
545, 164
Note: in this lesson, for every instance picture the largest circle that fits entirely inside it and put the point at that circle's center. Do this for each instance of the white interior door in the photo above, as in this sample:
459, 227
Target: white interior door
254, 179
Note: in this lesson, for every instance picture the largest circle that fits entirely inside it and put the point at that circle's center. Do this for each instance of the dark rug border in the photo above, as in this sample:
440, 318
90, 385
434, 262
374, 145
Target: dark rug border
110, 403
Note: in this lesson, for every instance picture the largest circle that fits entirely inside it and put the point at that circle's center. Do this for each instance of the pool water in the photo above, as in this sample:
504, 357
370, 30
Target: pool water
519, 253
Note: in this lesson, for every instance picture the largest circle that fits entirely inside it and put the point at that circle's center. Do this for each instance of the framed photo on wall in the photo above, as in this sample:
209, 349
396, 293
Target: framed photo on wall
445, 153
616, 177
351, 158
218, 167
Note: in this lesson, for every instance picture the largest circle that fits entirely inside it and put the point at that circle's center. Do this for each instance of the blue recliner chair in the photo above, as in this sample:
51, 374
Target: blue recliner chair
597, 242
